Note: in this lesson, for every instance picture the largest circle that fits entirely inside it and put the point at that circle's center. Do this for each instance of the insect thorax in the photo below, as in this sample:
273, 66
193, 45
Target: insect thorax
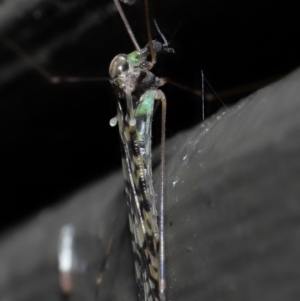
130, 73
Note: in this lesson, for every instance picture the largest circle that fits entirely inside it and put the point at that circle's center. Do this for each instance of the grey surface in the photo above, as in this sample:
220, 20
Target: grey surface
234, 202
233, 226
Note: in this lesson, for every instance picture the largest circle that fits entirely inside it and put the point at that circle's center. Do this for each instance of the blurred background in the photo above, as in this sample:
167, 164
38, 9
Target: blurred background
54, 139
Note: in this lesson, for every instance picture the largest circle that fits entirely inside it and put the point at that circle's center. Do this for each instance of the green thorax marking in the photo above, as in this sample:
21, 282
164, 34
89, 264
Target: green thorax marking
136, 58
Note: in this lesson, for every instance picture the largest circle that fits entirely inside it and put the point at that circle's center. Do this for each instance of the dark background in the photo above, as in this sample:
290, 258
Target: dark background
56, 138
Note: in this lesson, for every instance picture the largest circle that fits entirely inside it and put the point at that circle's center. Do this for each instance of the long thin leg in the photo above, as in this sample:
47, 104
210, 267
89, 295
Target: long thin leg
152, 52
42, 71
226, 93
128, 27
162, 282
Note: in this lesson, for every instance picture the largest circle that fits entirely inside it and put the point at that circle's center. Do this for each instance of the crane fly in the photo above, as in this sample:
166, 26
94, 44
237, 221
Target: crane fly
137, 89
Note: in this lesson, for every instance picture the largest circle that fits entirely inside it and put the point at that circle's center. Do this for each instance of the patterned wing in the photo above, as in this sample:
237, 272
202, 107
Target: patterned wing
136, 161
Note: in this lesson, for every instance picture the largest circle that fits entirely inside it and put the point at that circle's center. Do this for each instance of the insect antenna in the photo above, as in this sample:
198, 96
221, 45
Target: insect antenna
161, 34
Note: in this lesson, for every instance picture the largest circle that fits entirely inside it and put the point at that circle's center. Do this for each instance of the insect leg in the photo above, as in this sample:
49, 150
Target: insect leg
42, 71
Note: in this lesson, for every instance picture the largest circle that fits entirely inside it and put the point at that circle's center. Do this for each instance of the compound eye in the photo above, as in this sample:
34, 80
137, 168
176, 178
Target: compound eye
118, 65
